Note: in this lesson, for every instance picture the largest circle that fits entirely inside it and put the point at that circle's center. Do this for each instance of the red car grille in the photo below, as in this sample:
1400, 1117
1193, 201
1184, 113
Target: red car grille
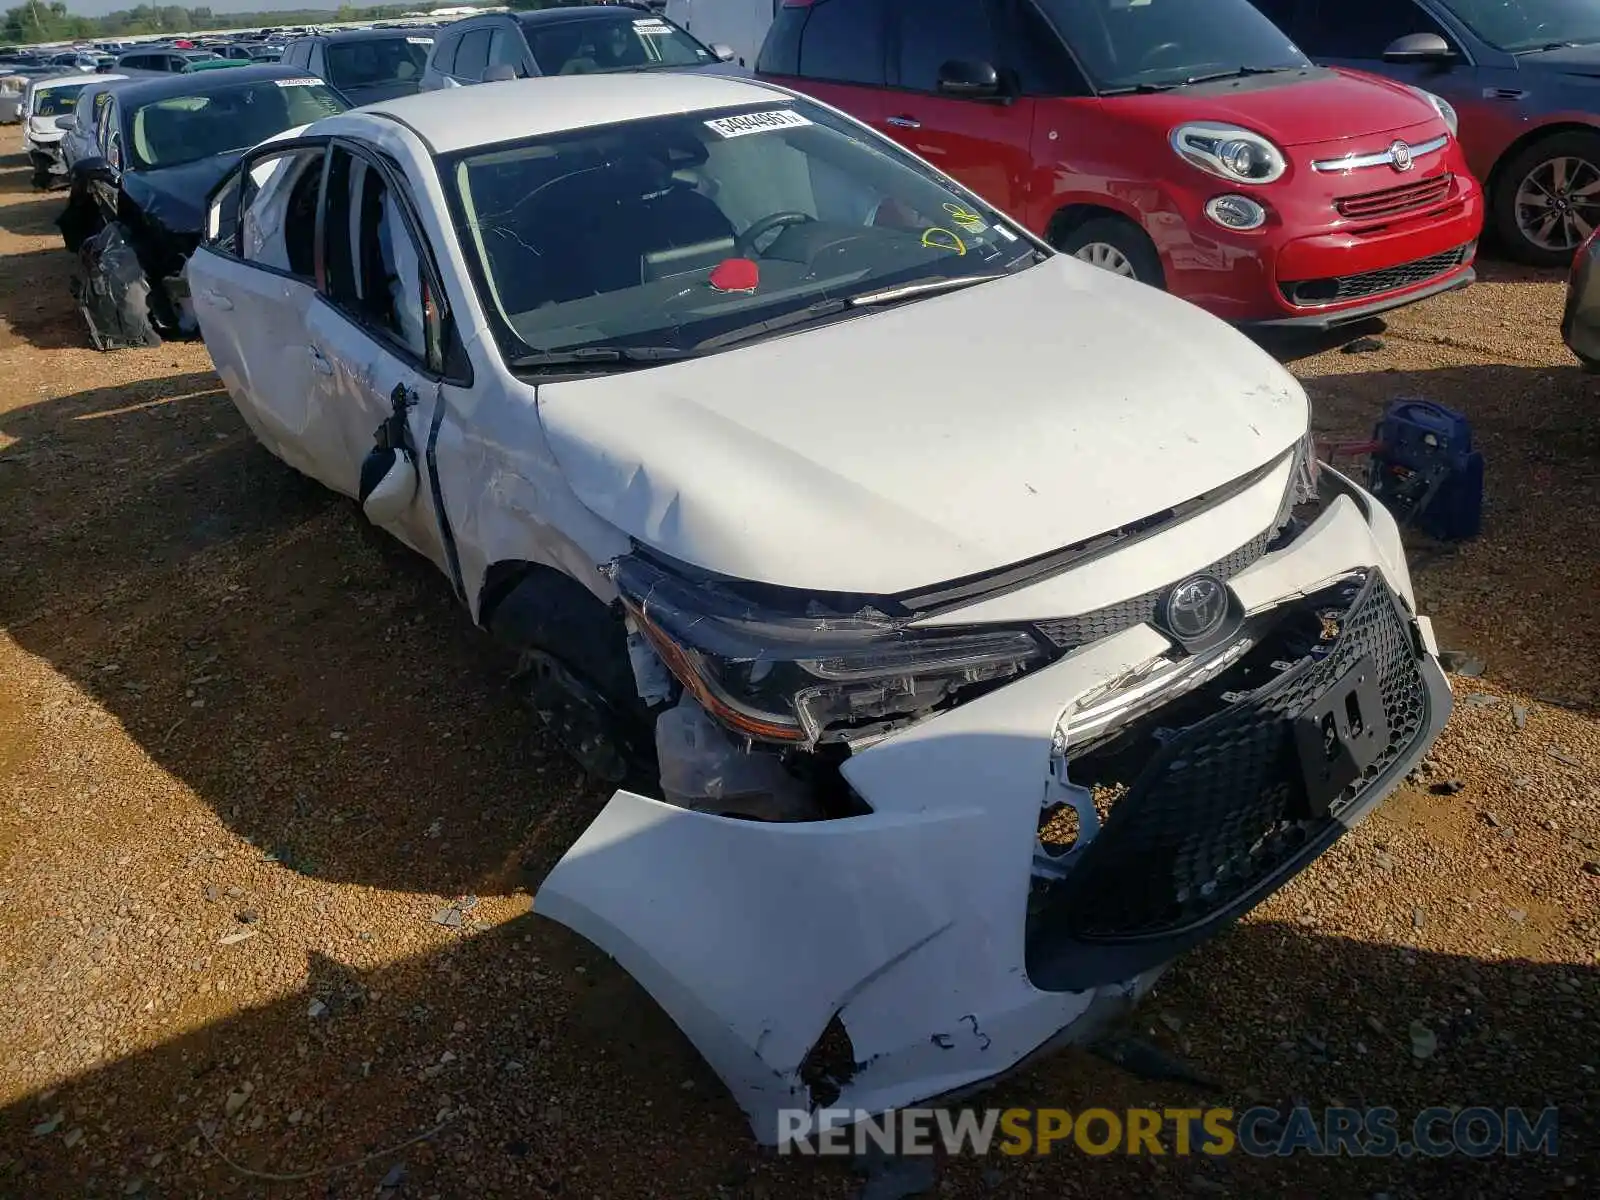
1393, 201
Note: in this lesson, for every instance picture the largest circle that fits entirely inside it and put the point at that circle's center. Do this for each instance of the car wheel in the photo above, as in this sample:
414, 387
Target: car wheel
1547, 198
1115, 245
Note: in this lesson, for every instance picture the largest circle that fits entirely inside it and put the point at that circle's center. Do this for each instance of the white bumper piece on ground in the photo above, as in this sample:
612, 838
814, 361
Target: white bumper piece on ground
909, 923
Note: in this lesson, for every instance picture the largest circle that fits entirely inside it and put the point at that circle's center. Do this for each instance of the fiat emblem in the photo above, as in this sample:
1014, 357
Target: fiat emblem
1400, 154
1195, 608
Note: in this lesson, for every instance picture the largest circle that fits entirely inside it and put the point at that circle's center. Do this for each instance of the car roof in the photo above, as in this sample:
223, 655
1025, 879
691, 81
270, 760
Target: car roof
203, 83
365, 35
580, 12
43, 83
486, 113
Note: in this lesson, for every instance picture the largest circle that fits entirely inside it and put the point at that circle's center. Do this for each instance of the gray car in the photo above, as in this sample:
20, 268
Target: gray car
1524, 77
581, 39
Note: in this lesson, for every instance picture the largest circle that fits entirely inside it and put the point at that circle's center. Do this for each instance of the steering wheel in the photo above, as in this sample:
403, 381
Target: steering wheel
1151, 56
745, 244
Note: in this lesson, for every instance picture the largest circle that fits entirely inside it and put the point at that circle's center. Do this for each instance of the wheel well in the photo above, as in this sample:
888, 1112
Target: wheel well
1492, 183
504, 577
1072, 216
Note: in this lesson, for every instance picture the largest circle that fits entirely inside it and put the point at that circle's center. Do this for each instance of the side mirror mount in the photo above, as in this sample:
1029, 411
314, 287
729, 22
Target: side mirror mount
499, 73
67, 123
722, 50
1419, 48
968, 80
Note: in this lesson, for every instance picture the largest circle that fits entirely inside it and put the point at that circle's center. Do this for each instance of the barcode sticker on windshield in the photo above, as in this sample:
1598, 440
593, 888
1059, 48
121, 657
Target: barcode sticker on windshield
308, 81
650, 23
420, 41
761, 122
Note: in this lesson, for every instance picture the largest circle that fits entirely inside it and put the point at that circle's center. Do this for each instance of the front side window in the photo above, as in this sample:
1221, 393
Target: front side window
373, 266
1360, 29
668, 231
1126, 45
621, 43
835, 41
375, 61
472, 56
932, 35
1530, 24
183, 129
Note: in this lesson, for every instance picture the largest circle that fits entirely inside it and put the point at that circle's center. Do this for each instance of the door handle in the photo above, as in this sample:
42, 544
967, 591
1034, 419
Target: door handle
319, 364
904, 122
216, 299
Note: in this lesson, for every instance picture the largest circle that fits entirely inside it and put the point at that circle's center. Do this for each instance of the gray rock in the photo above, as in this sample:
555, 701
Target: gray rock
1481, 700
896, 1177
1519, 715
1561, 756
316, 1009
450, 917
1424, 1042
1418, 917
1519, 915
1362, 345
1462, 662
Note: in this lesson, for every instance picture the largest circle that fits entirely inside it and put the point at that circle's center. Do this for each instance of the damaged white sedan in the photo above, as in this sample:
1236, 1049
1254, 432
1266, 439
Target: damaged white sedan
967, 631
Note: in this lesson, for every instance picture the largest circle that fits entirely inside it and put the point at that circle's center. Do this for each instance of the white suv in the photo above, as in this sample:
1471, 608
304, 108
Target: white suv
966, 631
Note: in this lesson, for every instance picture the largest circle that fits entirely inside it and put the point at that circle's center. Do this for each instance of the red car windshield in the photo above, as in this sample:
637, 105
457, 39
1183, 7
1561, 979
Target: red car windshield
1129, 45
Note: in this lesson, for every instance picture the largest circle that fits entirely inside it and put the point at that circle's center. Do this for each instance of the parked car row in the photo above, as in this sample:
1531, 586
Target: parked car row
963, 626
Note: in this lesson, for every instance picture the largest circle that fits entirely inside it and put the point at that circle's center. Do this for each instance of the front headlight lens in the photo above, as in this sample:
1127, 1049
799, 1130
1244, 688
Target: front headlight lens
813, 676
1229, 152
1443, 107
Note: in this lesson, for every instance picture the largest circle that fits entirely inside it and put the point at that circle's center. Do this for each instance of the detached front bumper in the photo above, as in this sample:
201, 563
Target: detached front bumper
922, 927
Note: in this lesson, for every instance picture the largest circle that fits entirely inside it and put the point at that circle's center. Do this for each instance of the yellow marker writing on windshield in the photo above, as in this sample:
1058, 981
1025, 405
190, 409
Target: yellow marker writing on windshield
938, 238
965, 217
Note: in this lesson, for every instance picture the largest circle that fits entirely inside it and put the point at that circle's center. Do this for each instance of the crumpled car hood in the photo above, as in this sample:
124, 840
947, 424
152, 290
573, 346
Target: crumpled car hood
175, 196
944, 438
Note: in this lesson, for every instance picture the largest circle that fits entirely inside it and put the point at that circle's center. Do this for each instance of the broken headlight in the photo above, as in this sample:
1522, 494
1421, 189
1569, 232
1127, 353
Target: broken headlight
813, 675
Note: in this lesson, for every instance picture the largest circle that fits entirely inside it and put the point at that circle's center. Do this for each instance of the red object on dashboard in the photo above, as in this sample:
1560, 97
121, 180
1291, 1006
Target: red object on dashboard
735, 275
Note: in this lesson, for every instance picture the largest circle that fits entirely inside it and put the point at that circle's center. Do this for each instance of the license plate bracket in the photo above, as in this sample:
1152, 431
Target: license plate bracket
1339, 735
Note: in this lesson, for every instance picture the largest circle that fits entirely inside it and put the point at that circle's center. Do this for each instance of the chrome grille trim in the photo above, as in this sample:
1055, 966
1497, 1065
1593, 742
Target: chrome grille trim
1380, 158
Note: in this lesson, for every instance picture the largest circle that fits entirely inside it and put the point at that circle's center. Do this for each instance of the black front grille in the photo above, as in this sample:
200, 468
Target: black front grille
1067, 632
1312, 292
1211, 822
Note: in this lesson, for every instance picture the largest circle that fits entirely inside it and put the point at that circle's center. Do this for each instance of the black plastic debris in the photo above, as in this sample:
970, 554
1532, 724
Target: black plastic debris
113, 293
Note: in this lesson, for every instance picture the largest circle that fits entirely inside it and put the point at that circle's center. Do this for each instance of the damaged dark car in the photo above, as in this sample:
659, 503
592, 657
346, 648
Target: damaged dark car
136, 205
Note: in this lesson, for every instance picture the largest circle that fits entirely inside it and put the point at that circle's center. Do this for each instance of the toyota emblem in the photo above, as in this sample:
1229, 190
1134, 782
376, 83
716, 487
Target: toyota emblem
1196, 608
1400, 155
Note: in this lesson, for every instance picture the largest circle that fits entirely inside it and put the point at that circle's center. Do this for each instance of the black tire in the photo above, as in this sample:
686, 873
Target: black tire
573, 669
1125, 237
1509, 177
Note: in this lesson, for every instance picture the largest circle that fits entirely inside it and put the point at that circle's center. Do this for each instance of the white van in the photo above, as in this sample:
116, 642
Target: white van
741, 24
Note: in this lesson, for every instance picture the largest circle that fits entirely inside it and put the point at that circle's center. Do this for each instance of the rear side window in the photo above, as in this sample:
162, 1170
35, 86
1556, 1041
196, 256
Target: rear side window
839, 41
506, 50
473, 55
931, 35
444, 53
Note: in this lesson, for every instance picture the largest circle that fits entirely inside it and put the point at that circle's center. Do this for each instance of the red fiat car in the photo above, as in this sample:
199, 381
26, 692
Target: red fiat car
1185, 143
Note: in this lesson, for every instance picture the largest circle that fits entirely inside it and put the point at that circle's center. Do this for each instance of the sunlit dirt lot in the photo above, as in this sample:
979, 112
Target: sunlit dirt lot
227, 710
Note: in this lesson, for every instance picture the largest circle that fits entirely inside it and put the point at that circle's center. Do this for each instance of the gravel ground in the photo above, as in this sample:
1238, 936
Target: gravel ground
251, 758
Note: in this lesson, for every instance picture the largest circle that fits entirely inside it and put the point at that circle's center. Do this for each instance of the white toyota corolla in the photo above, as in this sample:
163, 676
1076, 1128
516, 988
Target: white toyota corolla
966, 631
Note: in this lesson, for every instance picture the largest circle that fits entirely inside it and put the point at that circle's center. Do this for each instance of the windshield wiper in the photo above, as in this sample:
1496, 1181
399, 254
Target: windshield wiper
1235, 73
799, 316
1551, 46
1139, 89
587, 356
918, 287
